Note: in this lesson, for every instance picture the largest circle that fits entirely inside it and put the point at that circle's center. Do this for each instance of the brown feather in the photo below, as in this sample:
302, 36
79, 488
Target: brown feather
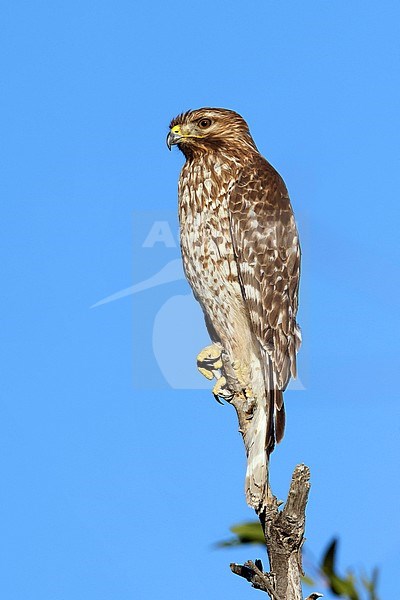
262, 224
241, 256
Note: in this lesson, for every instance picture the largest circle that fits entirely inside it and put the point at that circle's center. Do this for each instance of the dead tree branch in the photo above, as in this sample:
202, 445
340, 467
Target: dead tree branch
283, 531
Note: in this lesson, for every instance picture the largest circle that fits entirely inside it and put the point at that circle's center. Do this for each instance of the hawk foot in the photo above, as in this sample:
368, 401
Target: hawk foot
220, 390
209, 361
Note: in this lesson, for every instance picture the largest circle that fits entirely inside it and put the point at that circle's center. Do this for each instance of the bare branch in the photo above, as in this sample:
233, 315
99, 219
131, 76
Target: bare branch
257, 578
283, 530
284, 536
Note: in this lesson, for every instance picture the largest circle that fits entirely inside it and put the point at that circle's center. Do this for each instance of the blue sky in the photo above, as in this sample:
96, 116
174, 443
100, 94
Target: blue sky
114, 484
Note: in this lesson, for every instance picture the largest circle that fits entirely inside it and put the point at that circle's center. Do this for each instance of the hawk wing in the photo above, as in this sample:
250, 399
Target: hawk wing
266, 246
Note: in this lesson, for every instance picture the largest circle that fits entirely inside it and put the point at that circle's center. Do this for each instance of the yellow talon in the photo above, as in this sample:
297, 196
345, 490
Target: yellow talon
219, 387
221, 390
210, 354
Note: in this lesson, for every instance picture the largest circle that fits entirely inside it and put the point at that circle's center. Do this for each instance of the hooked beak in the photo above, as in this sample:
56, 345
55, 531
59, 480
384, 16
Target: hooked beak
174, 136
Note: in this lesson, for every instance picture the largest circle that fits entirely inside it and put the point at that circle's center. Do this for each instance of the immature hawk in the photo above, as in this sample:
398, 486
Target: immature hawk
241, 256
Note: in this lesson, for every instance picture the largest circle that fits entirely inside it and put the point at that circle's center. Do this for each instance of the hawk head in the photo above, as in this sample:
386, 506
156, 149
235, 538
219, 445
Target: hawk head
208, 130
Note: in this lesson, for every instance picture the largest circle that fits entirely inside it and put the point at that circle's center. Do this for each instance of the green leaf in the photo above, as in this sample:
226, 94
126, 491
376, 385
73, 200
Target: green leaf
246, 533
339, 586
343, 587
329, 559
371, 584
307, 580
249, 533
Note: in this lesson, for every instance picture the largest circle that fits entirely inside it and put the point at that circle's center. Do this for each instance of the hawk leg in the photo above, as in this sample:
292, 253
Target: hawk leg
209, 361
242, 375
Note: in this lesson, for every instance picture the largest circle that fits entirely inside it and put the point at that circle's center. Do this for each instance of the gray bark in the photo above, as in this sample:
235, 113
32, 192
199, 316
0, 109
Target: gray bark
283, 531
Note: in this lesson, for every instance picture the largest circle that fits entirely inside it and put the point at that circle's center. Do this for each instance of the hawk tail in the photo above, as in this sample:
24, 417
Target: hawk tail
267, 428
256, 439
277, 406
279, 415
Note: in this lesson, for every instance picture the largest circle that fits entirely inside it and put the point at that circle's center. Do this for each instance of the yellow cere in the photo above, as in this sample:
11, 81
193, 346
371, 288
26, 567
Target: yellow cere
177, 129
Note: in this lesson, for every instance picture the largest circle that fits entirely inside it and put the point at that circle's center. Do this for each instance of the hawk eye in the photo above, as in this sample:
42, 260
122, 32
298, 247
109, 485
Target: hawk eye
204, 123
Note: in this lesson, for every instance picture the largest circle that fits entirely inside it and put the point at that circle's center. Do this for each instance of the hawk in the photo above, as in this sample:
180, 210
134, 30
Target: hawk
241, 256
